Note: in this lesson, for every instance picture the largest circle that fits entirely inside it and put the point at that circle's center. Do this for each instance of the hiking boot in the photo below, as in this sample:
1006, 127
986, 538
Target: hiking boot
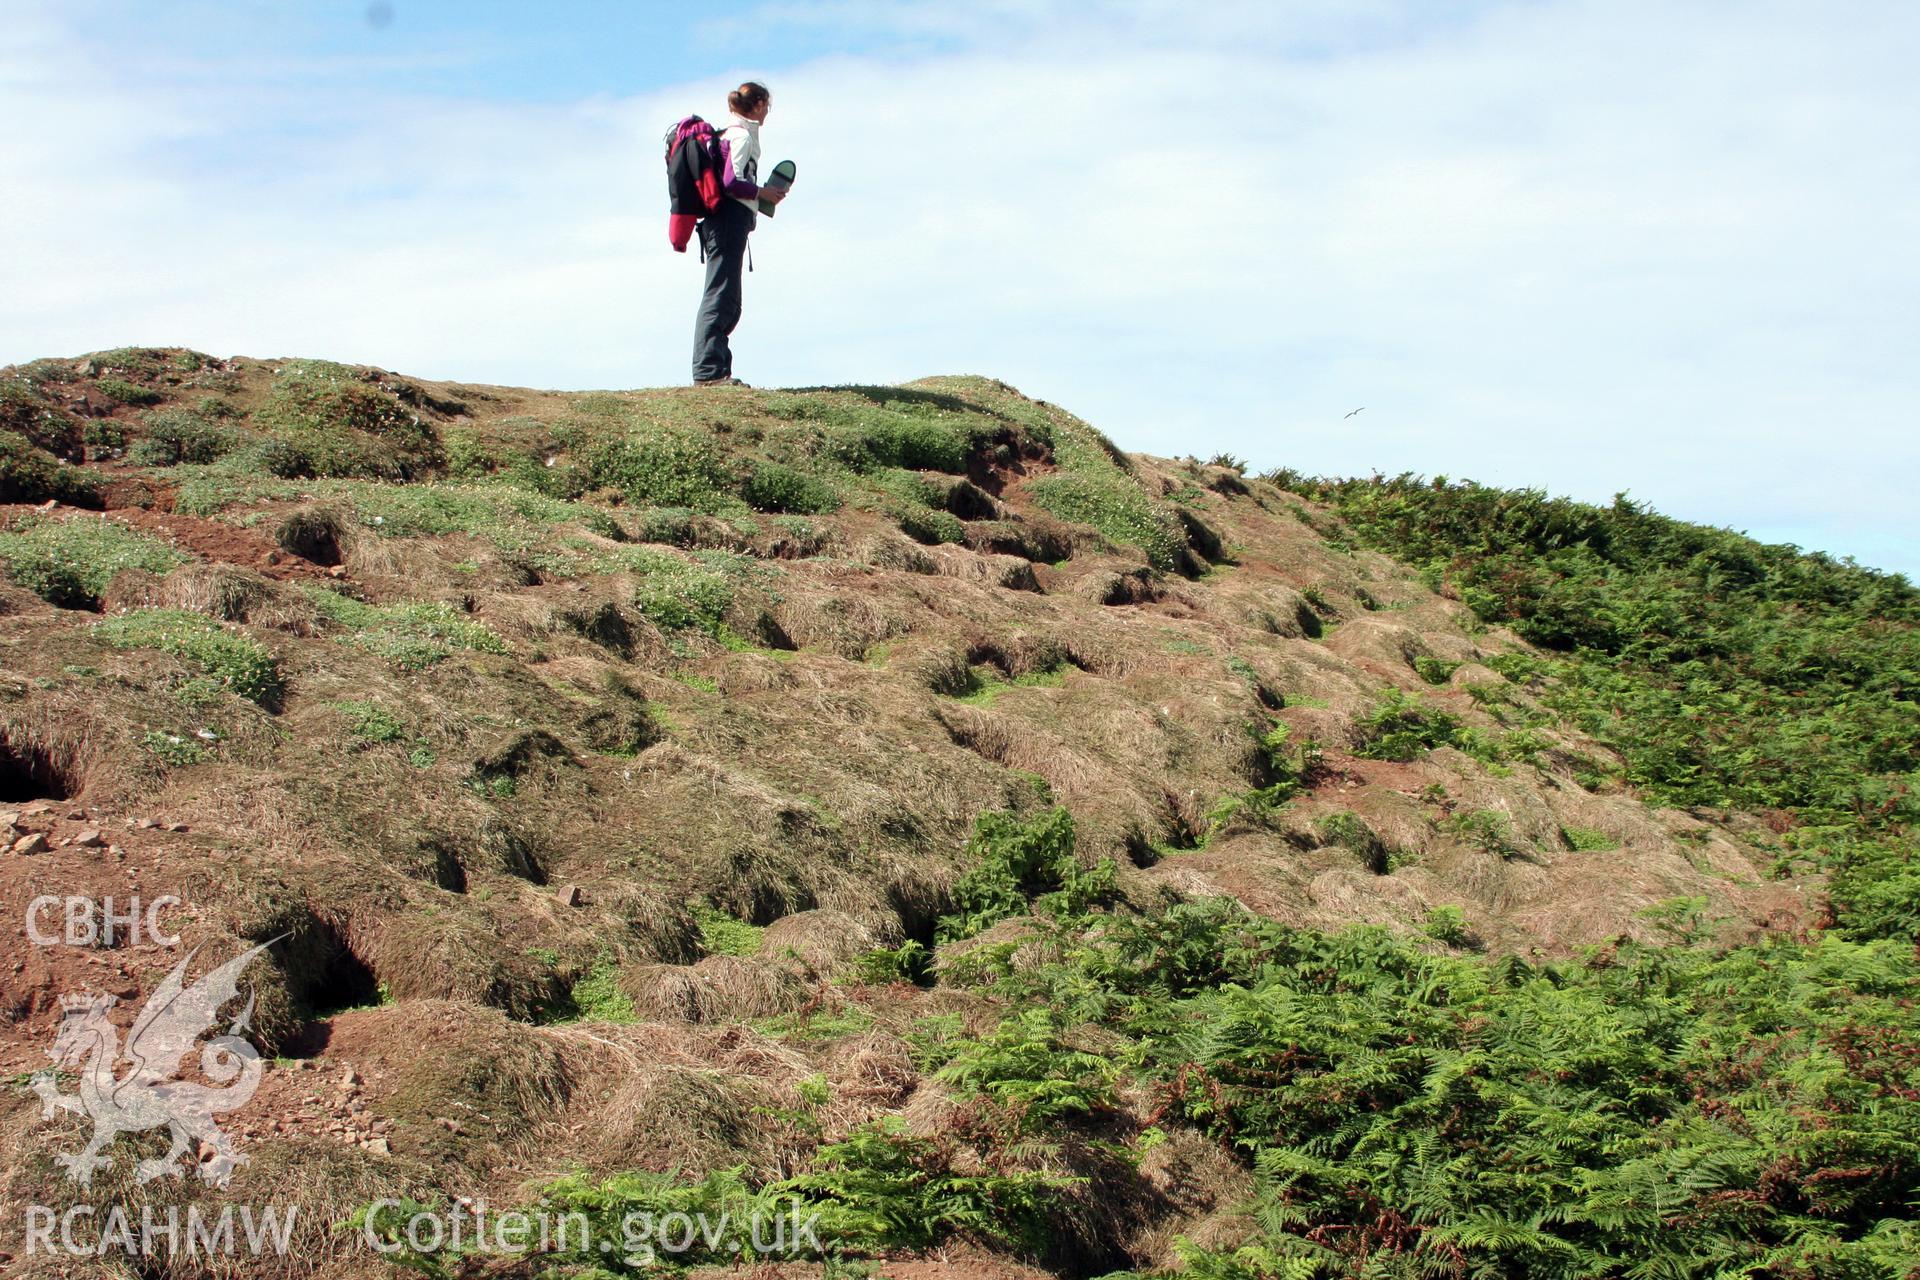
718, 382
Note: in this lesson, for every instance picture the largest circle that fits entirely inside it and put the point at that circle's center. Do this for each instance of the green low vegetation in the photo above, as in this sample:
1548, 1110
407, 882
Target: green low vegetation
508, 517
172, 436
676, 593
330, 420
597, 997
1350, 831
1030, 1068
784, 452
234, 659
28, 473
725, 935
1019, 865
869, 442
928, 526
317, 394
172, 748
371, 722
1112, 502
663, 469
22, 406
984, 684
1588, 840
1724, 671
211, 488
124, 392
773, 486
1684, 1110
911, 962
1095, 485
69, 560
1447, 924
1284, 768
868, 429
1402, 727
412, 635
1488, 830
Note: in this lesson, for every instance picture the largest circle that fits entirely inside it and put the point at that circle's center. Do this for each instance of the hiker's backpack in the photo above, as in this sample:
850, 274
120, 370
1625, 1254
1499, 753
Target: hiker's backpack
694, 178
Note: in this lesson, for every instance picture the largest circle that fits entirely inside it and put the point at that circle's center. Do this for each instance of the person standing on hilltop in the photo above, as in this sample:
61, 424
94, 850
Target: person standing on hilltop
724, 232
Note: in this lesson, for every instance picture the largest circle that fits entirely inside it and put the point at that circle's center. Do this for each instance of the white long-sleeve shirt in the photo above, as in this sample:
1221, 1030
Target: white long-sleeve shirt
740, 154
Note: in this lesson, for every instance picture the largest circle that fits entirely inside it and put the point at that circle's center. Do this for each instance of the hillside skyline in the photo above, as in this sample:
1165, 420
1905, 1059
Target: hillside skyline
1585, 248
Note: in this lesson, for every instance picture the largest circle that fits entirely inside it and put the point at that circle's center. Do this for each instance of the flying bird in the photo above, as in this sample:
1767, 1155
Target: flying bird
1351, 414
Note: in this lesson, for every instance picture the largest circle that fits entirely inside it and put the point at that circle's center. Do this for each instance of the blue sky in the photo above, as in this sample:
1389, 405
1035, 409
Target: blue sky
1589, 245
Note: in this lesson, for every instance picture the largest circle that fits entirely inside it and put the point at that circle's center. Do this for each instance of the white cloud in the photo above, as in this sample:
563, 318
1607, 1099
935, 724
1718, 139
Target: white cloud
1594, 246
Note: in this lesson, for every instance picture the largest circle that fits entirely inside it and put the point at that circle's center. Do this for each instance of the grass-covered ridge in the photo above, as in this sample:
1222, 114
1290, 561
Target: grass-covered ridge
224, 435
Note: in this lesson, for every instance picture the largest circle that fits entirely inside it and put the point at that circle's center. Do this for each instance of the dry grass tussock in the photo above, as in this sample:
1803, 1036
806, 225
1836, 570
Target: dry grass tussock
715, 989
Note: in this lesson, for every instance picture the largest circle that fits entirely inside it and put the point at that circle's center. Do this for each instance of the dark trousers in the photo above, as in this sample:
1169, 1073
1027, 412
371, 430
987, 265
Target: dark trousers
723, 239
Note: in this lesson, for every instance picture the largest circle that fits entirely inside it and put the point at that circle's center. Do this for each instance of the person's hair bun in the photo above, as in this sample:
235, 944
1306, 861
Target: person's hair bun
748, 96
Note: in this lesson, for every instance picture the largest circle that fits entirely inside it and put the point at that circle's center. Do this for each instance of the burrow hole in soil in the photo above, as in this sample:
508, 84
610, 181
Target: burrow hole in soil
28, 772
327, 978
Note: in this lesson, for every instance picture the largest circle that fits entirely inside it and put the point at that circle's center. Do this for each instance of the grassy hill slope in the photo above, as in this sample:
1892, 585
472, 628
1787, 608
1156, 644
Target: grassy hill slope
900, 798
